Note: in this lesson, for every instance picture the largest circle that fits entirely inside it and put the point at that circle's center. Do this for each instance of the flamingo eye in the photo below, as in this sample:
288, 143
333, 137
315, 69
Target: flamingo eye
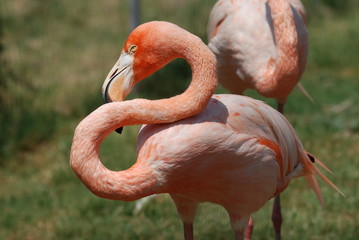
132, 49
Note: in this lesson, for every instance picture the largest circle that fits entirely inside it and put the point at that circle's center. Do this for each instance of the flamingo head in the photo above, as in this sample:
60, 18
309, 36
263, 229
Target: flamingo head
148, 48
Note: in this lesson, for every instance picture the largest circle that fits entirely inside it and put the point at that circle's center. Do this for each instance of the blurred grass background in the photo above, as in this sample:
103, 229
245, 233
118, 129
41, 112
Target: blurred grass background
54, 56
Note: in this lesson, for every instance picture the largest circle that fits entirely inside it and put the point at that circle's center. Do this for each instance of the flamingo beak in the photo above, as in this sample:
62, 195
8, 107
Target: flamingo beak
119, 81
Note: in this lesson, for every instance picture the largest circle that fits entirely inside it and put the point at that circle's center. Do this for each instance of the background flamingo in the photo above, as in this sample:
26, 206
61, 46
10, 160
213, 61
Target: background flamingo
260, 44
237, 152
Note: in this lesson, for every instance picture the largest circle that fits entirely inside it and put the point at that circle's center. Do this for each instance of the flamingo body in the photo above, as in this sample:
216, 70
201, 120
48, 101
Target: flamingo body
231, 161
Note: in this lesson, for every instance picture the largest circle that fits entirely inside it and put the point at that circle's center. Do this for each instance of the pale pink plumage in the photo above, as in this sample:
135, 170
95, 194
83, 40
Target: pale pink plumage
237, 152
259, 44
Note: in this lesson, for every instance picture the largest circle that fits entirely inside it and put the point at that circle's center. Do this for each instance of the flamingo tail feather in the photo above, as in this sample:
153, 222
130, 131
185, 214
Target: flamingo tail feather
312, 181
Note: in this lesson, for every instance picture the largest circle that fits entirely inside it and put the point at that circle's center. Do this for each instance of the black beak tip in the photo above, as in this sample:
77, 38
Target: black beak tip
119, 130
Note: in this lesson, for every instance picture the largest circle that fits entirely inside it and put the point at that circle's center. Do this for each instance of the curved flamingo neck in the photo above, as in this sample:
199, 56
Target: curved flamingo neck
202, 86
170, 42
128, 185
283, 69
140, 180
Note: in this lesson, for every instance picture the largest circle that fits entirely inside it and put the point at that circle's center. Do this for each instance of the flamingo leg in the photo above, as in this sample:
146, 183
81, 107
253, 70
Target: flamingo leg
186, 209
249, 230
280, 107
277, 217
239, 235
188, 231
277, 211
239, 225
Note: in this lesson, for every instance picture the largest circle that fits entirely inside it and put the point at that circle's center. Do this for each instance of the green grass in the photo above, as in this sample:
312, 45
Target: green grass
54, 58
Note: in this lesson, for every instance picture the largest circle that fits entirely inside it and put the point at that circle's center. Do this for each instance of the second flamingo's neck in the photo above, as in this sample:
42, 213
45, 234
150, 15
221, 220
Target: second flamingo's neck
274, 80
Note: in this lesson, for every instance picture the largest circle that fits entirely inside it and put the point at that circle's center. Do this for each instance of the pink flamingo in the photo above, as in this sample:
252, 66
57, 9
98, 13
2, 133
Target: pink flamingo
260, 44
225, 149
